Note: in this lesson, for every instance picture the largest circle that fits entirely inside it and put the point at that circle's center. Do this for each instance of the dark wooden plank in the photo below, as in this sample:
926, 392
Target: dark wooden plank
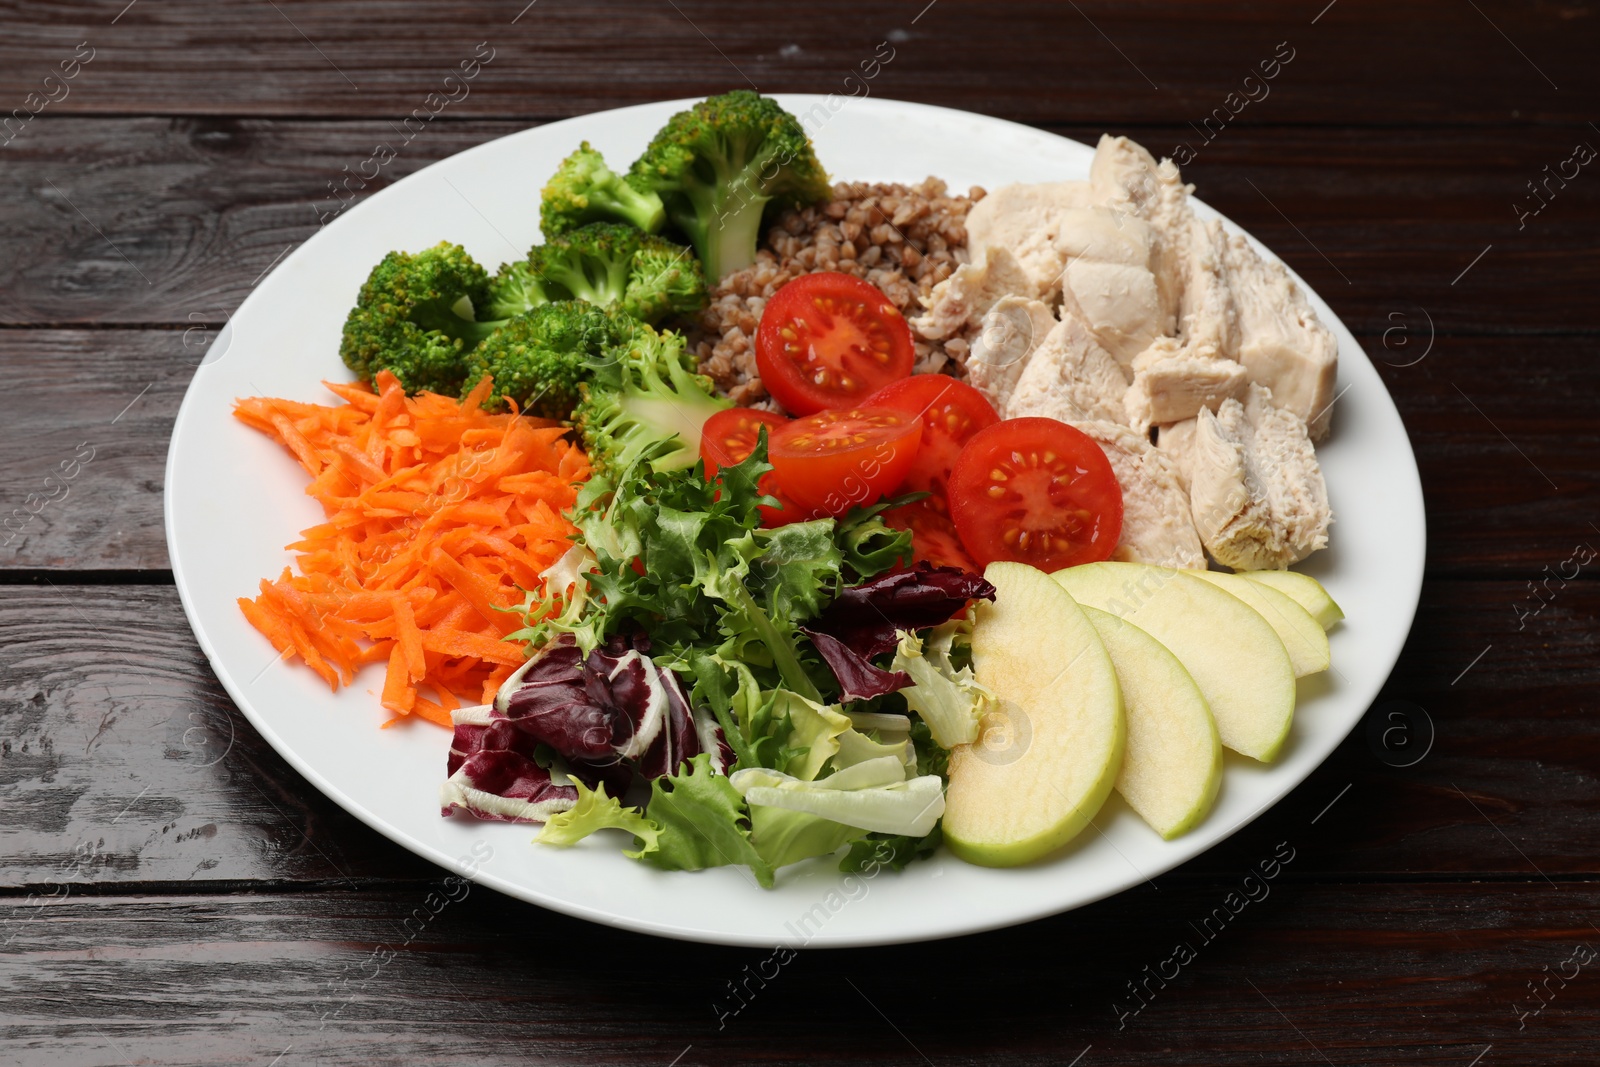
1417, 974
1358, 64
88, 417
151, 221
116, 741
1490, 510
122, 759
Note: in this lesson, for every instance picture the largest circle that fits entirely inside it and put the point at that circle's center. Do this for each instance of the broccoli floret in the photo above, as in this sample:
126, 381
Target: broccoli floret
718, 165
644, 276
645, 403
583, 190
517, 287
539, 358
416, 316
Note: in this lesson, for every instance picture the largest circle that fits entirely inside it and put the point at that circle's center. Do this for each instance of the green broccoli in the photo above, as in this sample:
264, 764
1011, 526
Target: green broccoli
645, 404
416, 316
583, 190
540, 357
643, 276
718, 165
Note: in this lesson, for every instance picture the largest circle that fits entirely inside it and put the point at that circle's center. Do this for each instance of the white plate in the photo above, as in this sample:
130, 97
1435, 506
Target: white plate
235, 498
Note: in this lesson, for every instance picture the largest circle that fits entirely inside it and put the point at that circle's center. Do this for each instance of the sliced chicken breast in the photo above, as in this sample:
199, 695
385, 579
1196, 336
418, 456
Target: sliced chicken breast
1125, 177
1157, 527
1069, 377
1024, 219
1106, 281
1171, 383
1176, 442
962, 300
1007, 338
1282, 343
1256, 491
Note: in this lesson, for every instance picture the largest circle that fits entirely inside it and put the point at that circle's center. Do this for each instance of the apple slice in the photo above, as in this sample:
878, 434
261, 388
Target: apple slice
1235, 658
1173, 764
1303, 590
1047, 756
1305, 641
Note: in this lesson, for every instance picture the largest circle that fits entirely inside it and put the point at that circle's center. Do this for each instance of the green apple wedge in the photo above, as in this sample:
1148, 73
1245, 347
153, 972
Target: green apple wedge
1303, 590
1047, 757
1173, 764
1305, 641
1229, 650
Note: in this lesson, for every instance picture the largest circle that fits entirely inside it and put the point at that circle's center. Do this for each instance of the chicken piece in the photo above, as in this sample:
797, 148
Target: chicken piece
1069, 377
1007, 338
1176, 441
1206, 315
1024, 219
1282, 343
1157, 527
1257, 494
963, 299
1125, 177
1171, 384
1106, 281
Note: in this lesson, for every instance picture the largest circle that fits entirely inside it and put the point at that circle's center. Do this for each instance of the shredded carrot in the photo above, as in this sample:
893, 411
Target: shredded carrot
439, 515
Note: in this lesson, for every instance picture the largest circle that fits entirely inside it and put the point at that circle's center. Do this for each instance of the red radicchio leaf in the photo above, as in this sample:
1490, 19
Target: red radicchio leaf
493, 774
863, 620
597, 712
547, 700
858, 679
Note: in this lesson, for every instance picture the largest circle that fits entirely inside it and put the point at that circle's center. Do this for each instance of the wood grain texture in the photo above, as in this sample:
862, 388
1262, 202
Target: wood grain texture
1486, 416
1363, 63
172, 892
1423, 973
171, 221
122, 761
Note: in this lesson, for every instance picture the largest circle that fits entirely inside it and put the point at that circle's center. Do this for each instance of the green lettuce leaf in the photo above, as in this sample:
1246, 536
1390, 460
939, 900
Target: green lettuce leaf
596, 811
814, 730
782, 836
894, 851
701, 816
875, 795
950, 701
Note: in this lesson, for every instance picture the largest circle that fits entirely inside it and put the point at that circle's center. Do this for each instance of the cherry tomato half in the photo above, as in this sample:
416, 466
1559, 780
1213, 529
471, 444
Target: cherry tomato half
728, 438
951, 413
933, 533
1036, 491
830, 340
835, 460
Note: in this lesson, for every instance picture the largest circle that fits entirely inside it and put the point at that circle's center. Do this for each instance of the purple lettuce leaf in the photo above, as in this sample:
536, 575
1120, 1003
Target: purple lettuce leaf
858, 678
863, 620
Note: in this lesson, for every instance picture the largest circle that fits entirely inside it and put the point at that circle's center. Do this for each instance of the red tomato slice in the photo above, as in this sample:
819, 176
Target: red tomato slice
951, 413
1035, 491
728, 438
835, 460
933, 533
830, 340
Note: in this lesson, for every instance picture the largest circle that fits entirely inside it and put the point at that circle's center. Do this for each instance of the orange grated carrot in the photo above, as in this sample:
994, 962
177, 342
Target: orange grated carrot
438, 516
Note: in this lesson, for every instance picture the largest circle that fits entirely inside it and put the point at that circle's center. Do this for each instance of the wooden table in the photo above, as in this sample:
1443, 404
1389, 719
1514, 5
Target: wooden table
174, 894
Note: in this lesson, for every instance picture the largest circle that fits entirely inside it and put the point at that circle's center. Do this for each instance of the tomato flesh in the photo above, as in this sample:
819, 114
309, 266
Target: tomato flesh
951, 411
830, 340
933, 533
728, 438
835, 460
1035, 491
